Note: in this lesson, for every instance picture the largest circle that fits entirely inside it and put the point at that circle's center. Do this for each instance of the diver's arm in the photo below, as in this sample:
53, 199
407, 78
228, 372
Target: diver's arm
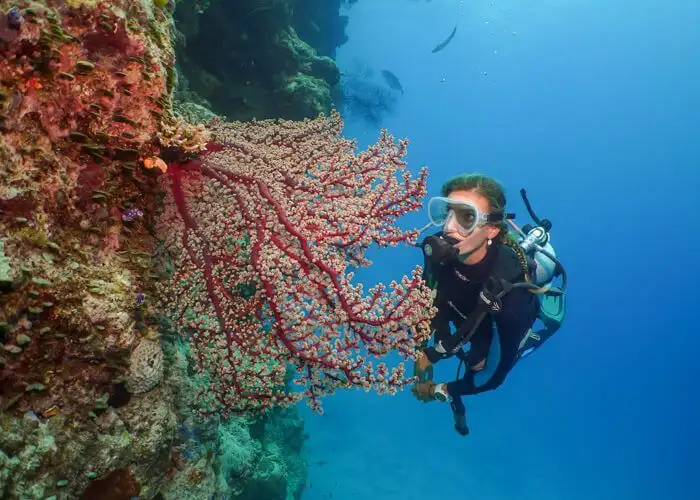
519, 312
440, 324
439, 328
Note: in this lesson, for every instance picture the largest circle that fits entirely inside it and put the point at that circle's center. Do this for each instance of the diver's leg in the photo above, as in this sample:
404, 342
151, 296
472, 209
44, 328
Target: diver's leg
459, 412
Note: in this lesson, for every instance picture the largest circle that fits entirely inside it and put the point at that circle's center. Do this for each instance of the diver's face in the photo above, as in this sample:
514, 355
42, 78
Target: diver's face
475, 241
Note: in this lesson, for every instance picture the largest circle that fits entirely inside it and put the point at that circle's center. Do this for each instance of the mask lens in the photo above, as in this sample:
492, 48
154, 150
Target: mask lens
439, 210
466, 216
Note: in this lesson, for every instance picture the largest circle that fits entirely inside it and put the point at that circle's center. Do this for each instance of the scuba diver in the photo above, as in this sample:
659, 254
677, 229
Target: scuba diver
492, 280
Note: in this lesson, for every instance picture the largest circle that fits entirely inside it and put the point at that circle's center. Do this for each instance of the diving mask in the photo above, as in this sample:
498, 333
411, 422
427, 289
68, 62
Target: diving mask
466, 215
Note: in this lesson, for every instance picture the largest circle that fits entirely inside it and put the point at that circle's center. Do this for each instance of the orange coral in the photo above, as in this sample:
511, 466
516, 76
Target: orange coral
155, 162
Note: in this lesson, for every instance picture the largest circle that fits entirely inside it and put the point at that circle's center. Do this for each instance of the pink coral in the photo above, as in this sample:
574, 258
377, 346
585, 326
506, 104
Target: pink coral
263, 231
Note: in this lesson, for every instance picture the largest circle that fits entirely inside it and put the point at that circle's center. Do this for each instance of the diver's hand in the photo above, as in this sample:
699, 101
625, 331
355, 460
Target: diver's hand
423, 368
424, 391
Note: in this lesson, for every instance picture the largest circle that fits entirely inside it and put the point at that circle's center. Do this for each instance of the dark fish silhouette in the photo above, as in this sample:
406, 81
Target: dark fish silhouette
392, 80
444, 43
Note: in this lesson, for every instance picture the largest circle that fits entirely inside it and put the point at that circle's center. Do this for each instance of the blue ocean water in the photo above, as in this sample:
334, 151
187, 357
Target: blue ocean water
594, 108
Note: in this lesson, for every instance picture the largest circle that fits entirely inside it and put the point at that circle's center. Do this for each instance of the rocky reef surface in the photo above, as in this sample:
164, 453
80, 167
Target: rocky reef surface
96, 392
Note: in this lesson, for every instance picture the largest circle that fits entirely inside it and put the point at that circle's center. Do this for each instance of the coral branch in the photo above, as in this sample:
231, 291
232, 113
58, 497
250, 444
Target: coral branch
262, 231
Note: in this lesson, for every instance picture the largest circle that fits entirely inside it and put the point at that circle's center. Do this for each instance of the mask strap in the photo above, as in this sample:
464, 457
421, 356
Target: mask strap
499, 216
425, 228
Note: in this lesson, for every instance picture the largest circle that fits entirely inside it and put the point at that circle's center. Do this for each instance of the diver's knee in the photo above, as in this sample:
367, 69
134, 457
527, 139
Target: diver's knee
478, 366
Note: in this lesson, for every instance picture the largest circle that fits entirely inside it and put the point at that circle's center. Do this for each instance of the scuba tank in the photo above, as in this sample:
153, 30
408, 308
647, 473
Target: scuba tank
544, 267
535, 243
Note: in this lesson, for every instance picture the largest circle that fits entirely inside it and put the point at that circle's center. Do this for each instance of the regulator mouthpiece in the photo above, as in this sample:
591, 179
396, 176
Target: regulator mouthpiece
439, 249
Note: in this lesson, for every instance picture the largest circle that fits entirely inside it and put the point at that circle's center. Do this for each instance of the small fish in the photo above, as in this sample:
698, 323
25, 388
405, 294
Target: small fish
444, 43
392, 80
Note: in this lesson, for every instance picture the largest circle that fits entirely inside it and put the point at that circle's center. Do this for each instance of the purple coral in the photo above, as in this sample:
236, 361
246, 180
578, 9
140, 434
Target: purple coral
130, 214
10, 24
15, 18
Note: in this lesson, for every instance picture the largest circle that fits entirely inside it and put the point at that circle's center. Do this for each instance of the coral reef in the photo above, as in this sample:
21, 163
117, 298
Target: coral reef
258, 458
90, 405
246, 59
65, 454
320, 24
260, 231
230, 458
145, 366
84, 89
97, 388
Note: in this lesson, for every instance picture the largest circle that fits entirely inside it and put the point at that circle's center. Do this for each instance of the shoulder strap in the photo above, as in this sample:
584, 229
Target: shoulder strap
508, 266
506, 271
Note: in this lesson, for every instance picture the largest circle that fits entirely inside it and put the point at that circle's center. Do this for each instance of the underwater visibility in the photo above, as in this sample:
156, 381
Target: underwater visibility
246, 244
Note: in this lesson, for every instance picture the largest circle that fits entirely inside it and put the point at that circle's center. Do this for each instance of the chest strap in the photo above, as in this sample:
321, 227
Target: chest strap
490, 302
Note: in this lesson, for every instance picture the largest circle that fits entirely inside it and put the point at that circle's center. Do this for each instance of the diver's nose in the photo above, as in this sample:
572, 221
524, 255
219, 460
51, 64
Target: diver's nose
449, 225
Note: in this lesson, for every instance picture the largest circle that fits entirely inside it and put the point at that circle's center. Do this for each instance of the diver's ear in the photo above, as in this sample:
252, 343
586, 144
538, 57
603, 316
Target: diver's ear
492, 232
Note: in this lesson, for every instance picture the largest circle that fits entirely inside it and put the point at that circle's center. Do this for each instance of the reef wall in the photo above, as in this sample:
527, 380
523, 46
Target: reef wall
95, 391
260, 58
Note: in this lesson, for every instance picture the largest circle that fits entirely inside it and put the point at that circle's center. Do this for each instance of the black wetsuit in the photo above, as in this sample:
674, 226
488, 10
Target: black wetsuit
458, 286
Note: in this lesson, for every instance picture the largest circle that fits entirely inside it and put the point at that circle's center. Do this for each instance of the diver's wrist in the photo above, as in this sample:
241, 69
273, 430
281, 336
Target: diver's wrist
440, 392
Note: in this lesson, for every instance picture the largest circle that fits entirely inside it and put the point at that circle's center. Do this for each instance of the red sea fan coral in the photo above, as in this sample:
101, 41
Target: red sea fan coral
262, 232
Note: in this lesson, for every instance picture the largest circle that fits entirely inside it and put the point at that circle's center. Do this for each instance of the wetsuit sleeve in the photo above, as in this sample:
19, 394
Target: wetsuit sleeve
440, 324
519, 312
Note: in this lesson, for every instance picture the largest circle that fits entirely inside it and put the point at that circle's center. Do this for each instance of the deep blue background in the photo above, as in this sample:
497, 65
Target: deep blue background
593, 107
